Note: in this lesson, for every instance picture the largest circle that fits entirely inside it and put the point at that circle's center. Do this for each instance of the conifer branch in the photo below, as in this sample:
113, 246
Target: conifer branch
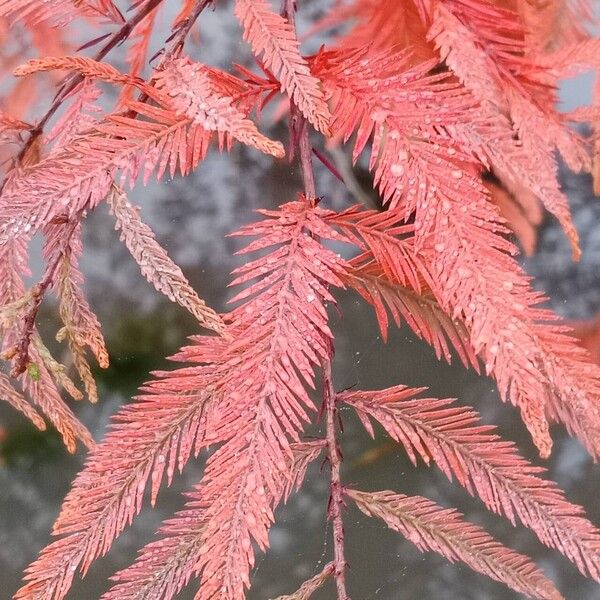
115, 39
446, 96
300, 137
21, 357
452, 437
432, 527
38, 382
308, 588
336, 498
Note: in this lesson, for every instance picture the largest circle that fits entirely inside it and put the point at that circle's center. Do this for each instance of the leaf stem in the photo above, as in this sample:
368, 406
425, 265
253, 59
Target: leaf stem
336, 500
300, 141
21, 351
177, 38
299, 125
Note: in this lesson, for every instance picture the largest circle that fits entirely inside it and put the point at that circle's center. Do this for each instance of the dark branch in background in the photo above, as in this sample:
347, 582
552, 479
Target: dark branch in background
175, 44
300, 141
115, 39
178, 37
345, 170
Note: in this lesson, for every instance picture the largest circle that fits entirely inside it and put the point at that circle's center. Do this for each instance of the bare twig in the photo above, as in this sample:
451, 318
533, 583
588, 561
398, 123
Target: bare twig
178, 37
336, 500
176, 40
114, 40
300, 141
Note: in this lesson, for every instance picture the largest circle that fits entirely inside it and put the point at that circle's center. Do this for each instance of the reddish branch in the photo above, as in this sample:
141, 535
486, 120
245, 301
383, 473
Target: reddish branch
300, 141
179, 36
114, 40
176, 42
299, 125
21, 350
336, 500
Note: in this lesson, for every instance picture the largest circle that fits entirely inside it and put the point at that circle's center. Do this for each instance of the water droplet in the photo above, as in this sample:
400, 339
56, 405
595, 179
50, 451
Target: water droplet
397, 170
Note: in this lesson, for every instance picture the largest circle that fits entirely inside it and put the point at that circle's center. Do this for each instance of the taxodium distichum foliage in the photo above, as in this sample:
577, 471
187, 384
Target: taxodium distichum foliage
452, 104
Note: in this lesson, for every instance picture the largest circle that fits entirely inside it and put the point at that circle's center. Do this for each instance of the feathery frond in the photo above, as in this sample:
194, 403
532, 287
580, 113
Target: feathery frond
155, 264
452, 437
248, 392
153, 436
81, 327
309, 587
157, 141
420, 310
281, 334
484, 46
189, 87
41, 387
431, 527
57, 12
9, 394
274, 41
403, 109
38, 382
384, 237
535, 362
158, 573
87, 67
